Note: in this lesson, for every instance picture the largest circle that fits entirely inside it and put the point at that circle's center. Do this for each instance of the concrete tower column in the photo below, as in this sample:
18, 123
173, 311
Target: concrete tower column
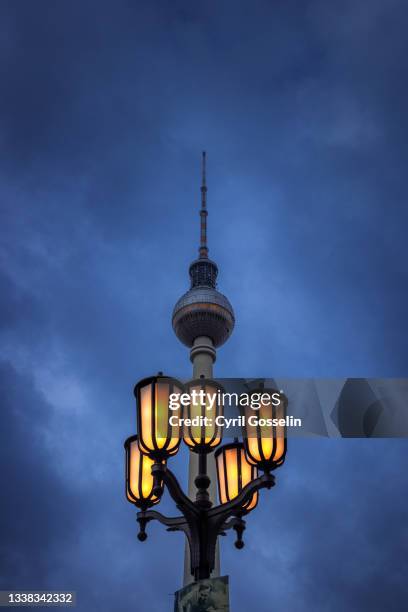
203, 319
203, 356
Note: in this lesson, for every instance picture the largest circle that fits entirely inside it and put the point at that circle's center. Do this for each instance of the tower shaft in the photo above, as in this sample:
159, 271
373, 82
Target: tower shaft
203, 319
203, 357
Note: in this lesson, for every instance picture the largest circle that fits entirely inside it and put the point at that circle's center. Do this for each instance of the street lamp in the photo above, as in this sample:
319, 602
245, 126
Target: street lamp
238, 479
158, 438
139, 479
206, 434
265, 443
234, 472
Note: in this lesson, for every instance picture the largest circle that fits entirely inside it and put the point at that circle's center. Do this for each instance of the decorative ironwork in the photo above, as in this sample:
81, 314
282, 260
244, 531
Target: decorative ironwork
199, 521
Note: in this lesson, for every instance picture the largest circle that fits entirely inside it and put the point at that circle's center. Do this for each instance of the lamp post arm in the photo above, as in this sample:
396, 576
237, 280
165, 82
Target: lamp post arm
238, 524
201, 523
178, 523
173, 523
223, 511
231, 523
183, 503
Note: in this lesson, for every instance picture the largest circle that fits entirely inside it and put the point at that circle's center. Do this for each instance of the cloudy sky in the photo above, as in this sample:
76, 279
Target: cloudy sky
104, 110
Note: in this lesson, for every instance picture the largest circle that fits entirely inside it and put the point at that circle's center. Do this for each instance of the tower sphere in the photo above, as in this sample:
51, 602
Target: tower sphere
203, 311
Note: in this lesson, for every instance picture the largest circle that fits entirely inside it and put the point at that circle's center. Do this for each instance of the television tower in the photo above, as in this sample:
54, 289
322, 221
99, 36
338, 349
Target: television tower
203, 320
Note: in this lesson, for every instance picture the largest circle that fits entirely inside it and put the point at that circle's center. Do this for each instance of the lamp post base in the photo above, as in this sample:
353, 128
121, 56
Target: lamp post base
203, 595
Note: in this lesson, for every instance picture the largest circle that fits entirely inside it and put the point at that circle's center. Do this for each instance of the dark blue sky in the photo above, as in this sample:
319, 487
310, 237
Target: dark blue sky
104, 110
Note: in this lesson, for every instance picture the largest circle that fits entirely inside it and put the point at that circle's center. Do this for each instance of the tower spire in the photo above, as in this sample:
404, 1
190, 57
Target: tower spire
203, 250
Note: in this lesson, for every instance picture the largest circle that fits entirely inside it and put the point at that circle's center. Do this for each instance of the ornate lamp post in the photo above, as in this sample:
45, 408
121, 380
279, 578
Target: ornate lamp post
200, 520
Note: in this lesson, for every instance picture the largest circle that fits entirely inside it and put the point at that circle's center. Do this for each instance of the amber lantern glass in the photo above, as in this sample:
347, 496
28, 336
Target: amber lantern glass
202, 433
234, 472
139, 479
263, 431
159, 434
